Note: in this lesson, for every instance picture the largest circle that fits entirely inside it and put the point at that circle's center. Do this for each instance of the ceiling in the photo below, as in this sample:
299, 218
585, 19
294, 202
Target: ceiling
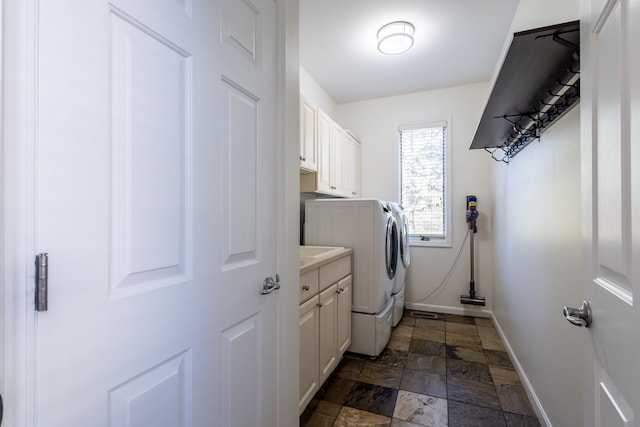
456, 42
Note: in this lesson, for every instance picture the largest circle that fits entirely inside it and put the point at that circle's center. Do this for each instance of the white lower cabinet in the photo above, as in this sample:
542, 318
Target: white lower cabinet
344, 314
328, 331
309, 351
325, 324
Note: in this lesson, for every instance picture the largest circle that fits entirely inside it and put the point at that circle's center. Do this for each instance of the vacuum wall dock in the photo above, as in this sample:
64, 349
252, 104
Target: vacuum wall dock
472, 215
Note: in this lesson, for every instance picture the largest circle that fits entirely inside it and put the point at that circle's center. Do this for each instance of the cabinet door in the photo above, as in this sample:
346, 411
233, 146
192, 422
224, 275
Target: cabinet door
344, 314
328, 331
351, 166
307, 135
323, 142
309, 351
337, 152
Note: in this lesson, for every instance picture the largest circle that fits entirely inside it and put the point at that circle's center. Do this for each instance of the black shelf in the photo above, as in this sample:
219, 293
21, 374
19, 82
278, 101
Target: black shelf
539, 82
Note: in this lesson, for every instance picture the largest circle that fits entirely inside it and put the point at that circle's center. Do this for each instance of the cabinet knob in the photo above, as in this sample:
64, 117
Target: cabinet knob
319, 304
305, 288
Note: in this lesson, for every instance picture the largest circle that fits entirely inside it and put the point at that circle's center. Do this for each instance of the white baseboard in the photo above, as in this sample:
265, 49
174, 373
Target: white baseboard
463, 311
477, 312
533, 397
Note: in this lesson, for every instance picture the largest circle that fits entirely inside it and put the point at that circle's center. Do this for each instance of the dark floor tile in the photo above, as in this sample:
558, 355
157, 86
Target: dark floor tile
498, 358
423, 362
351, 417
335, 389
379, 374
518, 420
356, 356
402, 331
430, 348
436, 325
391, 357
514, 399
429, 335
468, 320
483, 321
318, 420
372, 398
328, 408
424, 382
464, 415
399, 343
349, 368
401, 423
473, 393
474, 371
407, 320
464, 340
308, 412
421, 409
464, 353
462, 328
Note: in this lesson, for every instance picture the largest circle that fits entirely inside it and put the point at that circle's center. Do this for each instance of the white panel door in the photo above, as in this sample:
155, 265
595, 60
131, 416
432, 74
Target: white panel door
154, 196
610, 57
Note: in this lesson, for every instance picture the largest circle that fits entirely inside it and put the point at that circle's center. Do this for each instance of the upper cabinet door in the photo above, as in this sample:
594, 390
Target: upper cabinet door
324, 153
308, 123
351, 166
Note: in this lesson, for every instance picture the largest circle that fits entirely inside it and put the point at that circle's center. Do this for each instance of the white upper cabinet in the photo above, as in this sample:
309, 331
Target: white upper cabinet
337, 161
308, 132
323, 179
351, 166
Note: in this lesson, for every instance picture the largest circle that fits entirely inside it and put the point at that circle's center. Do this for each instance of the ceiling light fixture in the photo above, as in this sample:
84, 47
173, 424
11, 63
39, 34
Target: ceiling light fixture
395, 37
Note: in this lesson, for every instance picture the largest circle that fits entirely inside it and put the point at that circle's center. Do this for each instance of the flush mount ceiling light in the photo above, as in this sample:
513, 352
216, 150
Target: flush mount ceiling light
395, 37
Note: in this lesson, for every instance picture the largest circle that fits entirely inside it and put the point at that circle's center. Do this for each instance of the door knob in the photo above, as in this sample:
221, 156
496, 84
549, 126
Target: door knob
579, 316
269, 285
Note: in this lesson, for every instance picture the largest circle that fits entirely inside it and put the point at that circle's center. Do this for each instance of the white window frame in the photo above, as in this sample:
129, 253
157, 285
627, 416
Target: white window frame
434, 241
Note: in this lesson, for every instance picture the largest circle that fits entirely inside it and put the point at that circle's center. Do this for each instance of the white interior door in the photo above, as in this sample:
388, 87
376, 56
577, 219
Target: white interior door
610, 54
154, 196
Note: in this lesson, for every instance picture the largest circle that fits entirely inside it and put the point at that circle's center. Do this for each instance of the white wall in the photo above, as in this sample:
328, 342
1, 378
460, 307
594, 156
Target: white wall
375, 123
537, 249
316, 94
537, 270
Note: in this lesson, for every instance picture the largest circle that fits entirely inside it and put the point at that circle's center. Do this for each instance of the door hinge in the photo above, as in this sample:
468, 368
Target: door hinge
42, 281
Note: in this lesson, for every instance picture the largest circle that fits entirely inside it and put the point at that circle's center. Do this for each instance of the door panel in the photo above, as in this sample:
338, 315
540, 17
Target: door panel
155, 199
151, 159
610, 209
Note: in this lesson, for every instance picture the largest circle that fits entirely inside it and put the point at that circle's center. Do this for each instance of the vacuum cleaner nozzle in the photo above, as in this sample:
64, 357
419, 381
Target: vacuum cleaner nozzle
466, 299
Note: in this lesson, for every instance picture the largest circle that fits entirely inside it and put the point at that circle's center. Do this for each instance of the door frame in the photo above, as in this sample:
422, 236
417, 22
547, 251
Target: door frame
18, 142
288, 206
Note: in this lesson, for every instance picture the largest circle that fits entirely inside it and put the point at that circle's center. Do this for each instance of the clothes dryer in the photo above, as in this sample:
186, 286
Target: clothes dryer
404, 259
368, 227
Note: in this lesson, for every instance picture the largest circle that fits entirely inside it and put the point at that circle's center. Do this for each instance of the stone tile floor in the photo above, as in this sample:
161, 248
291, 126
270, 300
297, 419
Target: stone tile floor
453, 371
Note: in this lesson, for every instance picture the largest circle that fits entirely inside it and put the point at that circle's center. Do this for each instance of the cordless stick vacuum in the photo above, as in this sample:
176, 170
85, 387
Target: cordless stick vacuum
472, 215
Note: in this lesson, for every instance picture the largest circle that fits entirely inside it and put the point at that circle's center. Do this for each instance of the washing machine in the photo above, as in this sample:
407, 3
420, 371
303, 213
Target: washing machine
404, 259
369, 227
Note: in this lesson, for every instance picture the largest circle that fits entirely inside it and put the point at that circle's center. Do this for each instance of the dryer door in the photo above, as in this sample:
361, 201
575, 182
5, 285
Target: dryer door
405, 254
391, 247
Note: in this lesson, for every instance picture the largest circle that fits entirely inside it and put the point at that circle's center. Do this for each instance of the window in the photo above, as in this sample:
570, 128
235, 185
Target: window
424, 181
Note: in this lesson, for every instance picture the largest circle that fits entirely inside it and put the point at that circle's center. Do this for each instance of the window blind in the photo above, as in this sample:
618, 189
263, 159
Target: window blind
422, 178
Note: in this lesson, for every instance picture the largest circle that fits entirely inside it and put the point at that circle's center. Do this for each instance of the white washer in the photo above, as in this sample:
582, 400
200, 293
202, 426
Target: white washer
369, 228
404, 259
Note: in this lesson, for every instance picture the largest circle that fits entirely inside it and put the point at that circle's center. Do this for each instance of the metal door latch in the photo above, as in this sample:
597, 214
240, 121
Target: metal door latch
579, 316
